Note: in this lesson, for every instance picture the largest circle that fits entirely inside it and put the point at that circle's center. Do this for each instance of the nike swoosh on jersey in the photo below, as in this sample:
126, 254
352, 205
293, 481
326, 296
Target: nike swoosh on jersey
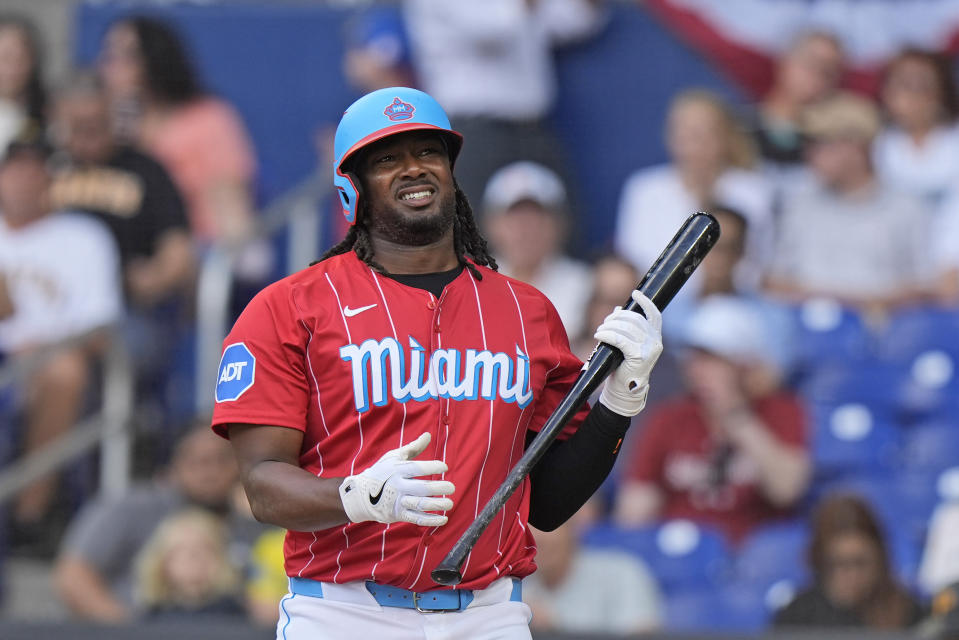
349, 313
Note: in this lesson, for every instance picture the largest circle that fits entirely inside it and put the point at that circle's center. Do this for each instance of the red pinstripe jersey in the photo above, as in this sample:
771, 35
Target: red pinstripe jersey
363, 364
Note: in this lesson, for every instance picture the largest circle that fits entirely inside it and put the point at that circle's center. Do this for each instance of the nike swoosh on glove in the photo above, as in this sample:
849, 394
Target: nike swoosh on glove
391, 491
641, 341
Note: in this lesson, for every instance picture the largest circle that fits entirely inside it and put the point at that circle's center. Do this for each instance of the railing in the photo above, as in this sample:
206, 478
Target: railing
300, 216
110, 428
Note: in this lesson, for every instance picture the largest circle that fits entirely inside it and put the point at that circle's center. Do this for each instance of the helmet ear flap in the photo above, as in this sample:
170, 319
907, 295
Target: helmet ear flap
348, 189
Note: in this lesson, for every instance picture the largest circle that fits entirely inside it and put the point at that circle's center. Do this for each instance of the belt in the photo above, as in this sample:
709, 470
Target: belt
439, 600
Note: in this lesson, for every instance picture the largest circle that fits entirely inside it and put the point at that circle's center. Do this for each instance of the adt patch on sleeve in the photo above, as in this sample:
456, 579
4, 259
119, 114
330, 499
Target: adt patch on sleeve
236, 373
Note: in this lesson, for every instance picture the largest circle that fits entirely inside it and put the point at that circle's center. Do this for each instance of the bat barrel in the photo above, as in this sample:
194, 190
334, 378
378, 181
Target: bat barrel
678, 261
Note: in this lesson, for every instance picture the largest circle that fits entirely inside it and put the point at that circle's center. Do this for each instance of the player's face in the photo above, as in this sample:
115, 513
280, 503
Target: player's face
408, 191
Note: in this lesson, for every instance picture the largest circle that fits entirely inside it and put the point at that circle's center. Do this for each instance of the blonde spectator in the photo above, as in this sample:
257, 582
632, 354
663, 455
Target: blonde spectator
712, 160
185, 568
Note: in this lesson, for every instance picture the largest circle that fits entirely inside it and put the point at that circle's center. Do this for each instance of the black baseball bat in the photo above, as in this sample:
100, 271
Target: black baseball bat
667, 275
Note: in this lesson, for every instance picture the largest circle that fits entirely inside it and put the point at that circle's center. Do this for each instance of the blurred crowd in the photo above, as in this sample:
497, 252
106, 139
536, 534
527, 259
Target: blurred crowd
797, 463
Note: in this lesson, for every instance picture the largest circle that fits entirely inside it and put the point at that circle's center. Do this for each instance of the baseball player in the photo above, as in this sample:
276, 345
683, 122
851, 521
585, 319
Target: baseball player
377, 399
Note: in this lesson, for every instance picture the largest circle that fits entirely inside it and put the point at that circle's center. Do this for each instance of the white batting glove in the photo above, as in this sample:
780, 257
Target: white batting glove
389, 491
641, 341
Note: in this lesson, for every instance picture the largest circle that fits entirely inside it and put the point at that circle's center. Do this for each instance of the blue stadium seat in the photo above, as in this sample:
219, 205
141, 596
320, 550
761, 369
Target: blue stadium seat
774, 553
852, 438
682, 555
931, 446
731, 608
868, 381
929, 385
911, 332
828, 332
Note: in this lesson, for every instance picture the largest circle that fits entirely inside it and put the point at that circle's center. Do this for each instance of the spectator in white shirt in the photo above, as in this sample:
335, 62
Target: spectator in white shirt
918, 152
849, 236
62, 271
490, 64
713, 160
526, 216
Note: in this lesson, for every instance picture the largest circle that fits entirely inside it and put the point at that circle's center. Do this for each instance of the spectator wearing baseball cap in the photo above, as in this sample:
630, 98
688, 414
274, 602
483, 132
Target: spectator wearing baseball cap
61, 272
730, 451
847, 235
527, 219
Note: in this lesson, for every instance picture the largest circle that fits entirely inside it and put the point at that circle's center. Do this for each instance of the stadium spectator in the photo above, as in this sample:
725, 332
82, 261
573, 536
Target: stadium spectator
22, 94
127, 190
61, 270
94, 572
491, 66
731, 452
184, 570
918, 151
853, 585
940, 555
807, 72
849, 236
160, 105
712, 161
576, 589
527, 219
377, 53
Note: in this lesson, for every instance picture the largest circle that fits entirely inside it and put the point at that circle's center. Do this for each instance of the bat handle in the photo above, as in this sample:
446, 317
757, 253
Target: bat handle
447, 573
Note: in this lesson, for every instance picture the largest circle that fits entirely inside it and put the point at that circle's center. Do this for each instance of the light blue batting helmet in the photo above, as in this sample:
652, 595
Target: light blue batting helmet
375, 116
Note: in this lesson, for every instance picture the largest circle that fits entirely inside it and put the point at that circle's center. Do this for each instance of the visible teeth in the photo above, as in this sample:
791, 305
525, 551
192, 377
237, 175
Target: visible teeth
417, 194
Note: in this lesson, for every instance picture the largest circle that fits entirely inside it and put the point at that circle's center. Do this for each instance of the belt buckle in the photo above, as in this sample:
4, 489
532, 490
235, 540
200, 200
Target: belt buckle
416, 605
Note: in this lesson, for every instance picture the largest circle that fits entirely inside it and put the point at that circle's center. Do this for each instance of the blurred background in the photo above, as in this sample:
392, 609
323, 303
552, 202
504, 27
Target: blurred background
797, 466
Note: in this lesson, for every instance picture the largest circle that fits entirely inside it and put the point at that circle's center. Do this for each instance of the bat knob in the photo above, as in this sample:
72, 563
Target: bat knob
449, 577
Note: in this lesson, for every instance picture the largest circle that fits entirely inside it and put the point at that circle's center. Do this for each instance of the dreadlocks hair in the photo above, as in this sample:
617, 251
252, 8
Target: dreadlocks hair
467, 241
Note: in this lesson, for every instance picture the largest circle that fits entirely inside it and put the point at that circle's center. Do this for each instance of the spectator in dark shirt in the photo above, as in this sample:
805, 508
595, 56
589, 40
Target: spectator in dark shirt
853, 584
807, 72
127, 190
